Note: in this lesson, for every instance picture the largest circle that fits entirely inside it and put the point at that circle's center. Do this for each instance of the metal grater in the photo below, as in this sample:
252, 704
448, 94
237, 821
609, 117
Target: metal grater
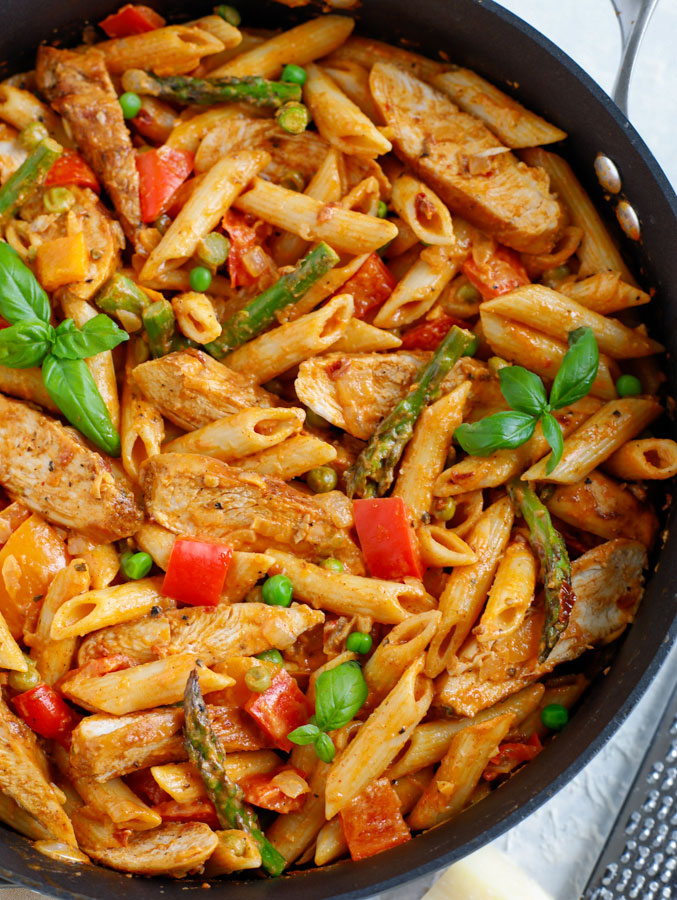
639, 859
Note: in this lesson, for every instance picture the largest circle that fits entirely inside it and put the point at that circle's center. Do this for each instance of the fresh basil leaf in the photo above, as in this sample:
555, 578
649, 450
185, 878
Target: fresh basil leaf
21, 297
553, 435
504, 430
523, 390
339, 694
99, 334
306, 734
25, 344
578, 370
324, 747
70, 385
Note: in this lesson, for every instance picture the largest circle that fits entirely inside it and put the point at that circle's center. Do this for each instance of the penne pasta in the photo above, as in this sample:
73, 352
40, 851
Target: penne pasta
353, 79
26, 384
141, 426
328, 285
235, 851
21, 108
11, 656
115, 801
174, 50
511, 594
367, 51
184, 784
196, 317
109, 606
647, 459
605, 293
291, 458
293, 834
16, 817
331, 843
393, 656
361, 337
442, 547
422, 210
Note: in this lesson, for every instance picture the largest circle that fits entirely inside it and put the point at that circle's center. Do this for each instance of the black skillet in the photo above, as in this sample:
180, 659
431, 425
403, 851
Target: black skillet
482, 36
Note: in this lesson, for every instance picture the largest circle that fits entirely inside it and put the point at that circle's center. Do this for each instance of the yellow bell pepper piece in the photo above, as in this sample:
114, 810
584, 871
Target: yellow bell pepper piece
62, 261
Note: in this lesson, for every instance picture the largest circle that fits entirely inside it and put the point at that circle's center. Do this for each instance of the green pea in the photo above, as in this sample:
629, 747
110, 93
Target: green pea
446, 510
315, 420
332, 565
382, 210
293, 117
58, 199
293, 181
135, 565
277, 591
228, 14
273, 656
554, 716
294, 74
468, 293
24, 681
200, 278
359, 642
324, 747
163, 223
553, 276
213, 250
258, 679
628, 386
32, 135
130, 103
322, 479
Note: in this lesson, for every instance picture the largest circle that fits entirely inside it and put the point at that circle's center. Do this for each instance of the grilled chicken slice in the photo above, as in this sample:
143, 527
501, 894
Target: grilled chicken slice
465, 163
79, 88
197, 495
53, 473
24, 778
243, 629
192, 389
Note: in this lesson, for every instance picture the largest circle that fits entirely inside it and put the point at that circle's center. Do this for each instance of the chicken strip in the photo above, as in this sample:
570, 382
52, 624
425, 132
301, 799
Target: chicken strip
197, 495
53, 473
465, 163
80, 89
192, 389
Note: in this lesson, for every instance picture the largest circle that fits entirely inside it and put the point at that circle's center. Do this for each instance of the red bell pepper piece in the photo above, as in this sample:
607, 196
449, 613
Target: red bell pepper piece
373, 822
388, 541
70, 168
131, 19
260, 791
196, 572
502, 272
243, 239
510, 756
146, 787
279, 709
429, 335
370, 286
195, 811
46, 713
161, 173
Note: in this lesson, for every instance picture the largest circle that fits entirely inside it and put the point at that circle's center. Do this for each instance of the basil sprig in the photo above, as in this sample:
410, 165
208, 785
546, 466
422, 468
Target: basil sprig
339, 694
525, 393
31, 341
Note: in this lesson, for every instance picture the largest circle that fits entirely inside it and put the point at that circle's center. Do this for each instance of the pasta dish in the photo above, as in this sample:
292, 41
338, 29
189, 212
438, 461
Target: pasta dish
326, 444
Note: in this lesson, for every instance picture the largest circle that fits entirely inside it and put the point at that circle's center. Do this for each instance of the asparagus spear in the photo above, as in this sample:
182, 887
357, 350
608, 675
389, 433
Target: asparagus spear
260, 313
372, 472
120, 293
160, 325
549, 546
206, 753
209, 91
27, 178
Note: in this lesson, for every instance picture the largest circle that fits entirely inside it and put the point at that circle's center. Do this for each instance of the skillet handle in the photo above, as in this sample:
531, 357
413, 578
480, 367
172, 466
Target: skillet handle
633, 18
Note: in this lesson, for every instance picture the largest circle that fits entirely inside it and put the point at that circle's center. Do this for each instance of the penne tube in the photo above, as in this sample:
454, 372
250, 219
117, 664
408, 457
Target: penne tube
284, 347
188, 133
11, 656
427, 450
566, 693
210, 63
602, 506
422, 210
511, 594
110, 606
605, 293
420, 287
26, 384
430, 741
466, 590
511, 122
597, 251
141, 425
196, 317
145, 686
236, 850
367, 51
229, 35
537, 264
344, 230
364, 197
647, 459
174, 50
331, 843
17, 818
300, 45
361, 337
115, 801
353, 79
459, 772
328, 285
204, 209
294, 833
21, 108
102, 560
291, 458
379, 739
597, 439
469, 508
348, 595
397, 651
241, 434
442, 547
557, 315
340, 121
183, 782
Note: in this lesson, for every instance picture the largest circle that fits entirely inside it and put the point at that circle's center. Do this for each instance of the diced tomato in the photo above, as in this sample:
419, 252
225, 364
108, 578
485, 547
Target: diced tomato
196, 572
4, 323
373, 822
259, 790
195, 811
243, 239
46, 713
280, 709
145, 786
131, 19
501, 273
429, 335
94, 668
388, 541
70, 168
510, 756
161, 173
370, 286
